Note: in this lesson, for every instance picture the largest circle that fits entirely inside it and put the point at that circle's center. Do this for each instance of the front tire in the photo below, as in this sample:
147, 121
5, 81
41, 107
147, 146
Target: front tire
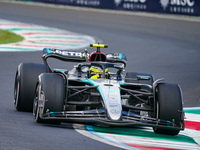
50, 94
169, 106
25, 82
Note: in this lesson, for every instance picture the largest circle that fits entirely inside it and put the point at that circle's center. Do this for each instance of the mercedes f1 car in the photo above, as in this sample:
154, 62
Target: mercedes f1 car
113, 97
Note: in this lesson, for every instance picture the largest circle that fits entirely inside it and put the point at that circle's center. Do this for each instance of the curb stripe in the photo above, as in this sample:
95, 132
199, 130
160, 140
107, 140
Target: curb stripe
150, 142
45, 33
193, 111
90, 129
146, 139
192, 117
191, 108
57, 41
39, 37
30, 29
146, 133
192, 125
56, 37
14, 24
149, 148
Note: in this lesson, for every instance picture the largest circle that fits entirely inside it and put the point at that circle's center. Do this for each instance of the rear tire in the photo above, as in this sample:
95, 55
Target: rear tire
25, 82
169, 106
131, 77
51, 90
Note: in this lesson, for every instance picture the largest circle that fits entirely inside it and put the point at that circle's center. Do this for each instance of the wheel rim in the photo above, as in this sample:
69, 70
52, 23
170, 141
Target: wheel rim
35, 108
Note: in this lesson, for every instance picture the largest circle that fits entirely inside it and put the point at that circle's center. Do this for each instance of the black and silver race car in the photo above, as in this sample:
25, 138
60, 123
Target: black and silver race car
115, 98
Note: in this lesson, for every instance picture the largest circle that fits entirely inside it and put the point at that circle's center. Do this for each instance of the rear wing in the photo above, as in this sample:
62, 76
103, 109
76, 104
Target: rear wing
71, 56
64, 56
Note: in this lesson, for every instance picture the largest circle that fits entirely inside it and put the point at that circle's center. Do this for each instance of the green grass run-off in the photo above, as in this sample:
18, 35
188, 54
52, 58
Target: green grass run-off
7, 37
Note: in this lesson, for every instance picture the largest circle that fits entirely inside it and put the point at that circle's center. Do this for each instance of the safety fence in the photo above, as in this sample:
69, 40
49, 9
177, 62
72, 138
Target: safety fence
182, 7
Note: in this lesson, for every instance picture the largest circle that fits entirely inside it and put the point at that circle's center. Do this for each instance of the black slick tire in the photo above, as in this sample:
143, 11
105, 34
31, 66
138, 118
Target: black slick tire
51, 91
169, 106
25, 83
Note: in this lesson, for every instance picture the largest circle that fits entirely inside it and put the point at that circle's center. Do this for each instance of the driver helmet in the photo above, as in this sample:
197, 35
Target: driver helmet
97, 72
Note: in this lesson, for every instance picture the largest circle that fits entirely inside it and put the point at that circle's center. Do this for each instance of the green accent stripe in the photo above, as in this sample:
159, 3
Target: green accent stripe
142, 133
30, 29
193, 111
16, 48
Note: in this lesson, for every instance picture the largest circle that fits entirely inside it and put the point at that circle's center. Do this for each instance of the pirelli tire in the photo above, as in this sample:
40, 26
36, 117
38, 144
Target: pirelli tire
24, 86
50, 94
134, 77
169, 106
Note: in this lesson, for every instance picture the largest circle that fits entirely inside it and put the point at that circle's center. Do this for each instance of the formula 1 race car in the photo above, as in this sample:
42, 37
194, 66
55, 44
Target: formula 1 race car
97, 90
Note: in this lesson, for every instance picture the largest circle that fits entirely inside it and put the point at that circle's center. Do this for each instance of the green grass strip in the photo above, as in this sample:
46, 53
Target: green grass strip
142, 133
9, 37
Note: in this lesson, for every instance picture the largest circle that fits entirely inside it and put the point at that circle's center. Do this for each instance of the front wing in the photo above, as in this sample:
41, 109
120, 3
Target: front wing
99, 116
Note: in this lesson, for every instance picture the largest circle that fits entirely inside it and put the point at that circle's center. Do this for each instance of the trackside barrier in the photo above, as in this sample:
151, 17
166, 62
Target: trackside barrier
182, 7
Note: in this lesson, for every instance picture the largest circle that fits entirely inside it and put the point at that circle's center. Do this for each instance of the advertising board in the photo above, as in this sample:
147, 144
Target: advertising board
182, 7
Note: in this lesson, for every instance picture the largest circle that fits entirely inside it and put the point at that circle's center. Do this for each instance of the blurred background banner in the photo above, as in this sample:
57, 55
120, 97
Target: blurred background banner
182, 7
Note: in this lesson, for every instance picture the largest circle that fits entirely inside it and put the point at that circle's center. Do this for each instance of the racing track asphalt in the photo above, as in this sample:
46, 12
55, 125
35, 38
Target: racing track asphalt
166, 48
